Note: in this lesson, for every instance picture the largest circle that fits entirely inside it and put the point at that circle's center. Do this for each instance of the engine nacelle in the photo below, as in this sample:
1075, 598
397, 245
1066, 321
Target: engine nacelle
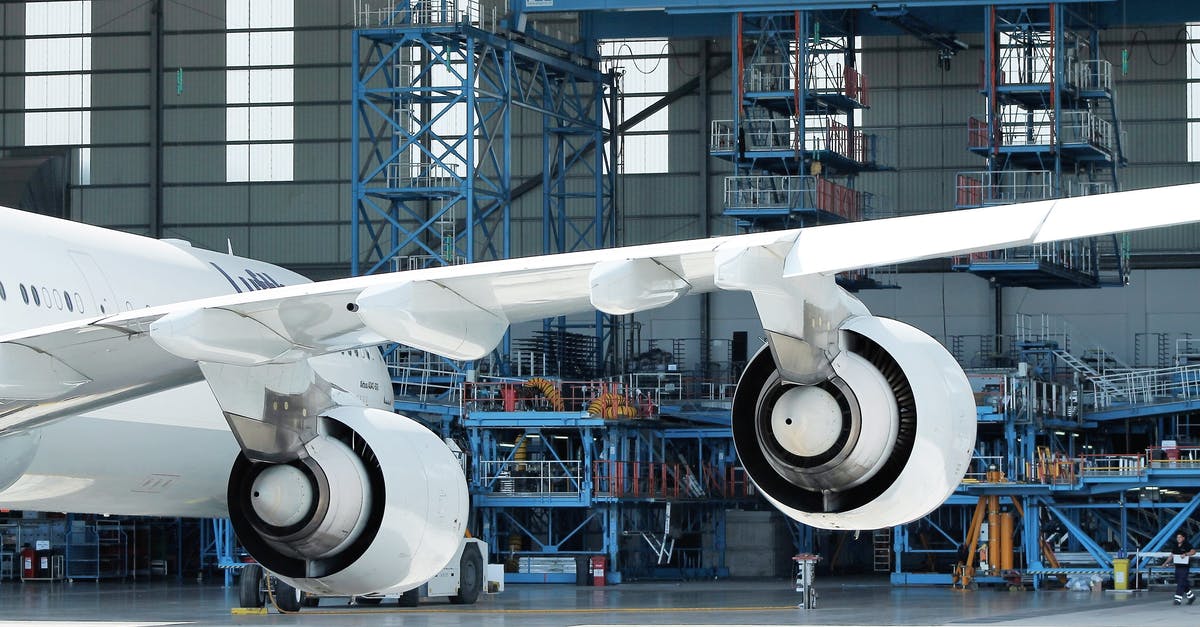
882, 442
378, 503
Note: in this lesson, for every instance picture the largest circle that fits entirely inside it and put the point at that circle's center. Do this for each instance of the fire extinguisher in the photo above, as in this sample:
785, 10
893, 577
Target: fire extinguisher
27, 558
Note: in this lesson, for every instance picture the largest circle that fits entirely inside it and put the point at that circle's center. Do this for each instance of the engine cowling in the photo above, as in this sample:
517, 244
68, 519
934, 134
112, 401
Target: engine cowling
882, 442
377, 503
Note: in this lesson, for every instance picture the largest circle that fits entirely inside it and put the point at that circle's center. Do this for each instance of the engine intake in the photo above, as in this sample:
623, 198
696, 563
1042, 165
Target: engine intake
377, 503
882, 442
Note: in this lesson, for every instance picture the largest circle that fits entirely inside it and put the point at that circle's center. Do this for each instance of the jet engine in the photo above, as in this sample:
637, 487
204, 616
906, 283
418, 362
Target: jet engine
881, 442
375, 502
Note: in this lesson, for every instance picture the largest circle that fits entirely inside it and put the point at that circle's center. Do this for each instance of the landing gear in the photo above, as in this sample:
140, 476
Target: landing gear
287, 598
250, 590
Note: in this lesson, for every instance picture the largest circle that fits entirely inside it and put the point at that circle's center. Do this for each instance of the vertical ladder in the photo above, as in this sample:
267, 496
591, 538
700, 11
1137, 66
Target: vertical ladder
881, 540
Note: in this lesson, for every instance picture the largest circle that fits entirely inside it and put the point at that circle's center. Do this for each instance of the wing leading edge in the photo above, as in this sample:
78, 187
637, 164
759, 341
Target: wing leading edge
462, 311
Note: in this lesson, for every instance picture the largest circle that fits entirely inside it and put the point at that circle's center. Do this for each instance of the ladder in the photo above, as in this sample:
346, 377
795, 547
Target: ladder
881, 540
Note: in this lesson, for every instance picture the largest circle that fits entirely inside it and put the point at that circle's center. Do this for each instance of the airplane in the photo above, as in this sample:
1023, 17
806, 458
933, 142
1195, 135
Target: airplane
143, 376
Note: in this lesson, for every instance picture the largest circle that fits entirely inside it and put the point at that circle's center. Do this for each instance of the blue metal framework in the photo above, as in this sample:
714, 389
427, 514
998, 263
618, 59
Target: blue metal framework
217, 547
437, 90
792, 139
1087, 489
1051, 131
550, 478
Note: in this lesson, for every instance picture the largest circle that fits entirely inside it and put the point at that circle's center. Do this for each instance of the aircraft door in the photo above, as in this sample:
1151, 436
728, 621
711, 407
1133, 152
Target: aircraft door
104, 300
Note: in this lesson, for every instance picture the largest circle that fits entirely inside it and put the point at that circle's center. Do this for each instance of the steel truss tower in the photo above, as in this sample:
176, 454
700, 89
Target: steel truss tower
440, 90
1051, 130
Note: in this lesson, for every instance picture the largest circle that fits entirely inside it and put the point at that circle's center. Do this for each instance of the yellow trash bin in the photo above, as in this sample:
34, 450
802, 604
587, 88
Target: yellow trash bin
1121, 574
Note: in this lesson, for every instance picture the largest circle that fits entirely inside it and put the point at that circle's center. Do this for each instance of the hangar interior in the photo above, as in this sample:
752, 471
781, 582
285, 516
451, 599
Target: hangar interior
345, 138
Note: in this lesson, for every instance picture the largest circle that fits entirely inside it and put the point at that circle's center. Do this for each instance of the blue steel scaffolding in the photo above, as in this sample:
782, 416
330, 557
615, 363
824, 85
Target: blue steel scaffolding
793, 138
1051, 130
437, 90
567, 470
1080, 460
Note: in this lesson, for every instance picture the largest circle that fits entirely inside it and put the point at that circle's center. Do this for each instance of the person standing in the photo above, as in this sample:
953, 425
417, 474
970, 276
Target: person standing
1181, 557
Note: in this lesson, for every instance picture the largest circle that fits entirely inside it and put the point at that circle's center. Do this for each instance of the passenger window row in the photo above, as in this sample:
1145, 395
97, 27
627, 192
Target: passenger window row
52, 298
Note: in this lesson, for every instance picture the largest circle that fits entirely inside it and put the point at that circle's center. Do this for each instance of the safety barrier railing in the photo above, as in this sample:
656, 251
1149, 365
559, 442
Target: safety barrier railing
1057, 471
767, 134
769, 77
839, 200
425, 376
1088, 188
531, 478
820, 79
850, 143
1076, 255
423, 175
977, 134
1147, 386
1173, 457
721, 137
1084, 127
985, 468
1112, 465
386, 14
792, 192
1090, 74
778, 134
976, 189
601, 399
658, 480
770, 192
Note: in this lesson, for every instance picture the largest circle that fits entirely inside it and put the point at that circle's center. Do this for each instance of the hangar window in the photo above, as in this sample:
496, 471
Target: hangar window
259, 90
58, 81
643, 69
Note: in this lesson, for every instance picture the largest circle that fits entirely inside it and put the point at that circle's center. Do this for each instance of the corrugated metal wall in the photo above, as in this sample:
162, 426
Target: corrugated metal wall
918, 110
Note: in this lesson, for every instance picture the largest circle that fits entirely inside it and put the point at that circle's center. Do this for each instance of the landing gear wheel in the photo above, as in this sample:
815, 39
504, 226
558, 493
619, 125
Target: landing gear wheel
250, 592
287, 598
470, 576
309, 601
410, 598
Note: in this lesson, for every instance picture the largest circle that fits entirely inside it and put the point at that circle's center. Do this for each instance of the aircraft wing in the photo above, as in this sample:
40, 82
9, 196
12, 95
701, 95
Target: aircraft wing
463, 311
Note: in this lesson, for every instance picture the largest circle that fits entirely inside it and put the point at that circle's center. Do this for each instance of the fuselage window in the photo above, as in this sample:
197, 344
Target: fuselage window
46, 298
67, 297
3, 296
79, 302
24, 294
37, 300
58, 300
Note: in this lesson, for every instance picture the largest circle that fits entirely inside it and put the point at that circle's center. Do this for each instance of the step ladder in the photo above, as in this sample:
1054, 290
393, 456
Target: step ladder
881, 540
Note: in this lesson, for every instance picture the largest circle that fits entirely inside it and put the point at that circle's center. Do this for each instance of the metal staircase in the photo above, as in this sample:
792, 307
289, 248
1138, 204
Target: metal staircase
1089, 373
881, 540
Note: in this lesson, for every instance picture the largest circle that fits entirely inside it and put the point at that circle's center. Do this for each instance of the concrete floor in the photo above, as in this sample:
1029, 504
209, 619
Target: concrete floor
694, 604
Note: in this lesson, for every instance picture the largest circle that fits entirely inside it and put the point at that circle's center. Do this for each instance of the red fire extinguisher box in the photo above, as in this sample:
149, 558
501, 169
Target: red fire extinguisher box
599, 565
28, 559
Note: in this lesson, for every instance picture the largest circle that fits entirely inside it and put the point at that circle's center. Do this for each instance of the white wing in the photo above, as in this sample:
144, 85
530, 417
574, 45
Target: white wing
463, 311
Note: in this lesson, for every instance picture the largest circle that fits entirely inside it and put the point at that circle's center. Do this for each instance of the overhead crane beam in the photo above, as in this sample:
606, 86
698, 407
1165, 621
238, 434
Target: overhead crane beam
723, 6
